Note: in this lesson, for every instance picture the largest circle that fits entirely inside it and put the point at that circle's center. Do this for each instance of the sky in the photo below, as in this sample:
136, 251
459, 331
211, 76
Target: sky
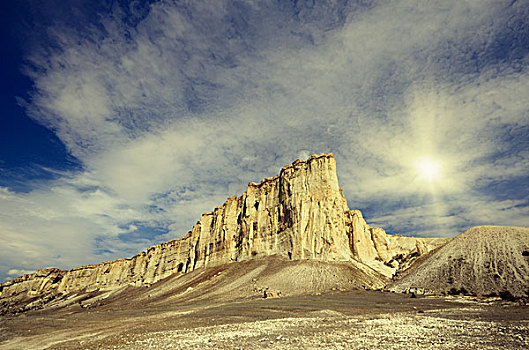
122, 121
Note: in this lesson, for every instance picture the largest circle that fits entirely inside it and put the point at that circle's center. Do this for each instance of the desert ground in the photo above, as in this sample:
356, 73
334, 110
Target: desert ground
336, 320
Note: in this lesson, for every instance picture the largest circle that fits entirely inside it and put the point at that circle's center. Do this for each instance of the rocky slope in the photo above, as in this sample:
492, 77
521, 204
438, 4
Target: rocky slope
299, 214
485, 260
266, 277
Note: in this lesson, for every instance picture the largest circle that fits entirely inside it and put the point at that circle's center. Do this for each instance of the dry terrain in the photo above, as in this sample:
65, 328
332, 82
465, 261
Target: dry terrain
308, 305
336, 320
288, 266
484, 260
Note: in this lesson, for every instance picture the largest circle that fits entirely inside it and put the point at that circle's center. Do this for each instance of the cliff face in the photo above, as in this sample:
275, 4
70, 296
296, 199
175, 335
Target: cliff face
299, 214
386, 254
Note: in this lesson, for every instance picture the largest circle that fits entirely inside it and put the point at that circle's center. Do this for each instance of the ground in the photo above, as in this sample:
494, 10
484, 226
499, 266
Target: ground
336, 320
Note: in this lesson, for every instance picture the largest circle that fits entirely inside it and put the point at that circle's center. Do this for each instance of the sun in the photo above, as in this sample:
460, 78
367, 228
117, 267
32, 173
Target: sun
428, 169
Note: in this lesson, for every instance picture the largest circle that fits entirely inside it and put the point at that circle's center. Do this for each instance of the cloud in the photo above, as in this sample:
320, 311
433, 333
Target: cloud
172, 113
18, 272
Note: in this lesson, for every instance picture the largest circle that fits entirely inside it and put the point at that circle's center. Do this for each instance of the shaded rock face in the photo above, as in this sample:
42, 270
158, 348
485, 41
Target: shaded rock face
483, 261
299, 214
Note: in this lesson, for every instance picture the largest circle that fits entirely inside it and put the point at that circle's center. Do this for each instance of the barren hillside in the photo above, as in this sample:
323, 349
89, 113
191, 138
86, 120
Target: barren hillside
272, 276
484, 260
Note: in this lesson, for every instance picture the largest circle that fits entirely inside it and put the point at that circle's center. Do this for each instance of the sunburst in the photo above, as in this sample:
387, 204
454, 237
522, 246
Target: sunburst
428, 169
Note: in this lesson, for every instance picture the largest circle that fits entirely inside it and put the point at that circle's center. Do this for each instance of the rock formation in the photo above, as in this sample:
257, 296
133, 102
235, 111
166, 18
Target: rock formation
483, 261
386, 253
299, 214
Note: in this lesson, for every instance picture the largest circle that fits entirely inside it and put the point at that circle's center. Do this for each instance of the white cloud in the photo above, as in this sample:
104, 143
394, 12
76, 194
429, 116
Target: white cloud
173, 117
18, 272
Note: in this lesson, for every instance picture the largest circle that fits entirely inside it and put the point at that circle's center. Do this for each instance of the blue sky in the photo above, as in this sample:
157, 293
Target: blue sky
123, 121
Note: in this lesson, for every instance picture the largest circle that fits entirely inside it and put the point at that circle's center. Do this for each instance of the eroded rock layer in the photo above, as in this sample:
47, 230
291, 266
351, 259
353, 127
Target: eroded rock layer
299, 214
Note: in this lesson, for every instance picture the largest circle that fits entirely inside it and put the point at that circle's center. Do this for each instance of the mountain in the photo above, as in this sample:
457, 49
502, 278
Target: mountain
300, 214
482, 261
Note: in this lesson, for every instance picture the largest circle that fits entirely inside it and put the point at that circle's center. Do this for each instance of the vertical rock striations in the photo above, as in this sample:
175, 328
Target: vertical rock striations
299, 214
386, 254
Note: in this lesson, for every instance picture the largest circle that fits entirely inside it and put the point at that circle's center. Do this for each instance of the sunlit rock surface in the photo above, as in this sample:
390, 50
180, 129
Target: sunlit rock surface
299, 214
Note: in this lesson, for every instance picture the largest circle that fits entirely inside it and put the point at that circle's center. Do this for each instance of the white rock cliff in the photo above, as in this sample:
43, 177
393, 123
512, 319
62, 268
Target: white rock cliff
299, 214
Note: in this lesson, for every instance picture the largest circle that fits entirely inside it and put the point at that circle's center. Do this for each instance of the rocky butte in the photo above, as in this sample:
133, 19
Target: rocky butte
300, 214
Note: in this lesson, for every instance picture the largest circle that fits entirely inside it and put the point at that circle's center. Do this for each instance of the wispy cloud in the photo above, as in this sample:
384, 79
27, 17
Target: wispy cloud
172, 113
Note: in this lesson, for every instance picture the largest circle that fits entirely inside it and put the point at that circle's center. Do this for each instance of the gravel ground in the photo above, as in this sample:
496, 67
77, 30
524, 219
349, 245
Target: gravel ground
387, 331
340, 320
